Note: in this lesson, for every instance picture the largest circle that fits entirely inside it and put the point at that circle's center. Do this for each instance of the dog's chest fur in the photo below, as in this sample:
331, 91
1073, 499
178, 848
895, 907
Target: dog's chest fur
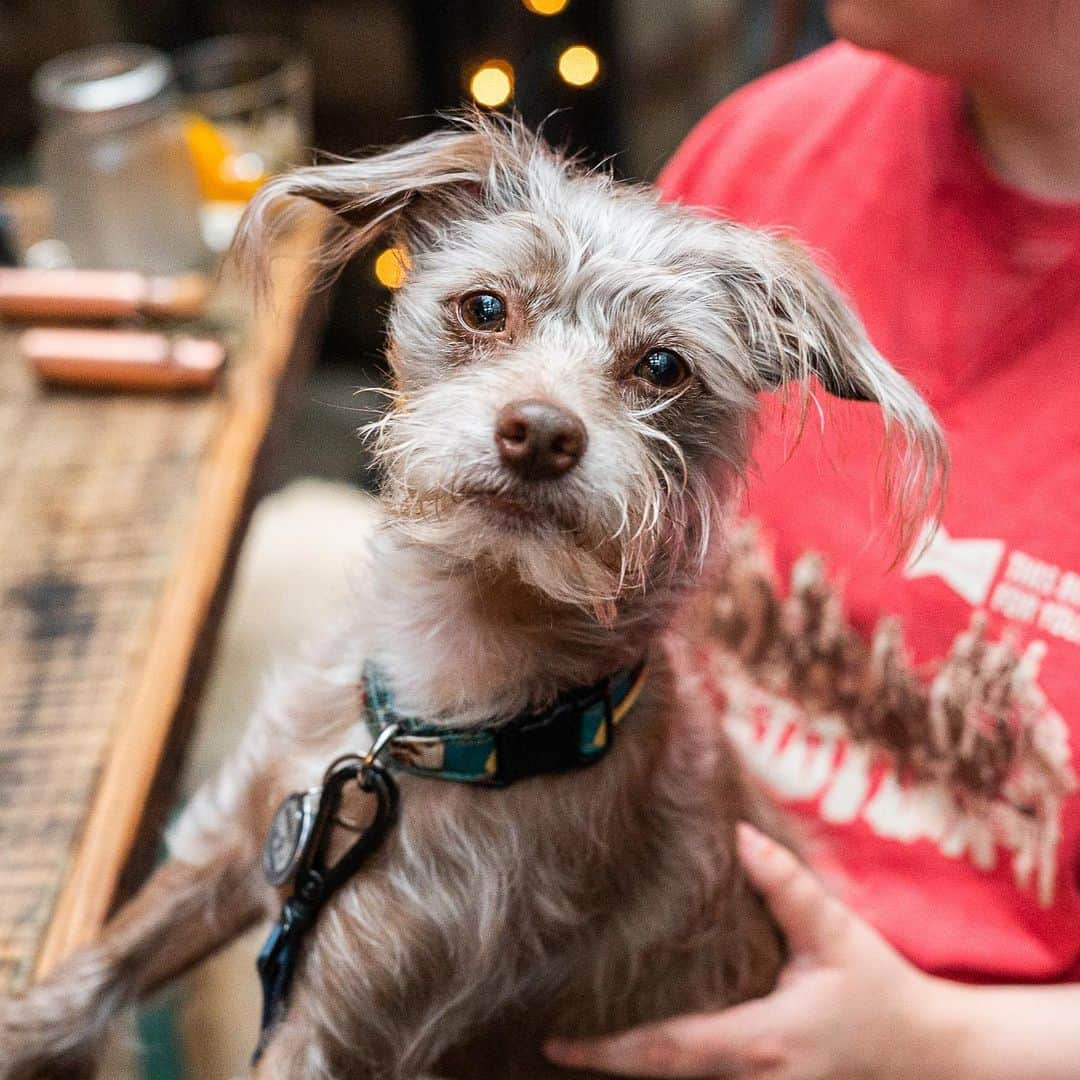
576, 903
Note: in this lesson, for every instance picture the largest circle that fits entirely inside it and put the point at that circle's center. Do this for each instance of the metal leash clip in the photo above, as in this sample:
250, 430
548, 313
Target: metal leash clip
296, 850
292, 828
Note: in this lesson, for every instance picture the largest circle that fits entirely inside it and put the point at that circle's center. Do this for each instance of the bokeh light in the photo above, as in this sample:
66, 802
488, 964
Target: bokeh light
492, 83
579, 65
545, 7
391, 267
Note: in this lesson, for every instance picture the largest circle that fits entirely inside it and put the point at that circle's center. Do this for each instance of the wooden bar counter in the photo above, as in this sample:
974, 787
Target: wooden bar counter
120, 516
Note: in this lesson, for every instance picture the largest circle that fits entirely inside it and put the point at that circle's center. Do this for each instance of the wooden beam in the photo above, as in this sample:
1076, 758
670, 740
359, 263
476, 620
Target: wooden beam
142, 731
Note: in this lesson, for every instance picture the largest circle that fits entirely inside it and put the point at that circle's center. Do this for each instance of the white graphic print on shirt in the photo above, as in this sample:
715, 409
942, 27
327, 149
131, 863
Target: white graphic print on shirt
974, 759
1030, 590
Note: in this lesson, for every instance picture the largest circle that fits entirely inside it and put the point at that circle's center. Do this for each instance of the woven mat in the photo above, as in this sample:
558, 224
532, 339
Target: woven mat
97, 492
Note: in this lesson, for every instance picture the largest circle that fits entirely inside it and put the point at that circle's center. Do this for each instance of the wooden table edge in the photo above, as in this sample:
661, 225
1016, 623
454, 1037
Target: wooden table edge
142, 732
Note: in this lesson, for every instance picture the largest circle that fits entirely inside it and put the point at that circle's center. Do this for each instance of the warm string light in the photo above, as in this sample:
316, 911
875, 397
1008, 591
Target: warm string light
492, 84
392, 267
579, 65
545, 7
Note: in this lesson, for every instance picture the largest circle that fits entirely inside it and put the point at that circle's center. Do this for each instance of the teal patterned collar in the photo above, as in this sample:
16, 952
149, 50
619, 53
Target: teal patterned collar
576, 730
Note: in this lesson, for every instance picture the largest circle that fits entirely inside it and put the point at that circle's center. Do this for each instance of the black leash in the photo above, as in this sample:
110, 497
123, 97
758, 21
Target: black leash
296, 850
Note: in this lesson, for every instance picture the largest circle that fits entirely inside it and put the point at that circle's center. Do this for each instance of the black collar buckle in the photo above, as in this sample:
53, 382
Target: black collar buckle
550, 742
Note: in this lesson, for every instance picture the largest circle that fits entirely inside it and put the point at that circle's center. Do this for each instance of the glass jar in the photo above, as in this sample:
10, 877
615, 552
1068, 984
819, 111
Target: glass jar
256, 91
248, 99
114, 157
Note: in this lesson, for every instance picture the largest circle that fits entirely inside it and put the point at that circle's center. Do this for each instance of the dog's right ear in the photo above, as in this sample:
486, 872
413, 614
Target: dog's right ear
414, 184
794, 324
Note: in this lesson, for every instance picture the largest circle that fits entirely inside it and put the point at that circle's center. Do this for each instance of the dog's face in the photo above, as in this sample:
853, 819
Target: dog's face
575, 365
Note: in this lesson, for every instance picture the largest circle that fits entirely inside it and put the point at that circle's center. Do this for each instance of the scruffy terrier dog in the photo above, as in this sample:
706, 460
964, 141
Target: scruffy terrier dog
575, 370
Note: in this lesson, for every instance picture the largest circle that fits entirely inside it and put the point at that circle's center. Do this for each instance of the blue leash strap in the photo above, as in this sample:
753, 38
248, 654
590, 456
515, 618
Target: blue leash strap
314, 881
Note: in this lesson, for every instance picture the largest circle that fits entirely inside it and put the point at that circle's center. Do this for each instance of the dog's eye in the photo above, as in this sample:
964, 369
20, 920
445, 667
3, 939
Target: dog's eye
662, 368
484, 311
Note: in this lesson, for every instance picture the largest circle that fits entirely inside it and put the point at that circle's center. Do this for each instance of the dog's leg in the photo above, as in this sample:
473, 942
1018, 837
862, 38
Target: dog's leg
182, 914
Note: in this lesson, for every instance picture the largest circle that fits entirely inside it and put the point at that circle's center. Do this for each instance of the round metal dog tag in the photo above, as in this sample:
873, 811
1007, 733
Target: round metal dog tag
288, 837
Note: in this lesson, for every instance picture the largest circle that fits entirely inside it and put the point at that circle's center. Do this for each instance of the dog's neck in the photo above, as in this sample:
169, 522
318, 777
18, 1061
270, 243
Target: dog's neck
471, 642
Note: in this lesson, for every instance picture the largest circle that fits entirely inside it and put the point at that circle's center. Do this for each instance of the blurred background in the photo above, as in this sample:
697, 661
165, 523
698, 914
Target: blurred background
622, 80
146, 124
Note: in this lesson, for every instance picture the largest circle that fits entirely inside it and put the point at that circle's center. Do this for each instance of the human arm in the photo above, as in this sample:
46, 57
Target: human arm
848, 1006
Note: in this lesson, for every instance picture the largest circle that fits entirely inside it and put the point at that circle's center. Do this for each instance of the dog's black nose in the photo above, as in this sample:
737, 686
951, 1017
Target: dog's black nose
538, 439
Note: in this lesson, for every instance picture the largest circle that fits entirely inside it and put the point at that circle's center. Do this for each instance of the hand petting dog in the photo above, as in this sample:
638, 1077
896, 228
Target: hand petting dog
847, 1005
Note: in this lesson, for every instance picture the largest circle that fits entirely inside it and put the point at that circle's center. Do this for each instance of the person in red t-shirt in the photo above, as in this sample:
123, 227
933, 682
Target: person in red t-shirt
938, 179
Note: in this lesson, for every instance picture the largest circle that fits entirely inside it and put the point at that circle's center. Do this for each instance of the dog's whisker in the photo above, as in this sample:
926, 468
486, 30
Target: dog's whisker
388, 392
373, 432
676, 451
658, 407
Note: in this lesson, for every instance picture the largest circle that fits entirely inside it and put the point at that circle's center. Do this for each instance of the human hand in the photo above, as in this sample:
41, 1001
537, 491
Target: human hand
847, 1006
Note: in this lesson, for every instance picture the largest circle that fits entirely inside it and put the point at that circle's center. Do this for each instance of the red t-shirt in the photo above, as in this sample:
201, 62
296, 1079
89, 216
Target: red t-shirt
972, 289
